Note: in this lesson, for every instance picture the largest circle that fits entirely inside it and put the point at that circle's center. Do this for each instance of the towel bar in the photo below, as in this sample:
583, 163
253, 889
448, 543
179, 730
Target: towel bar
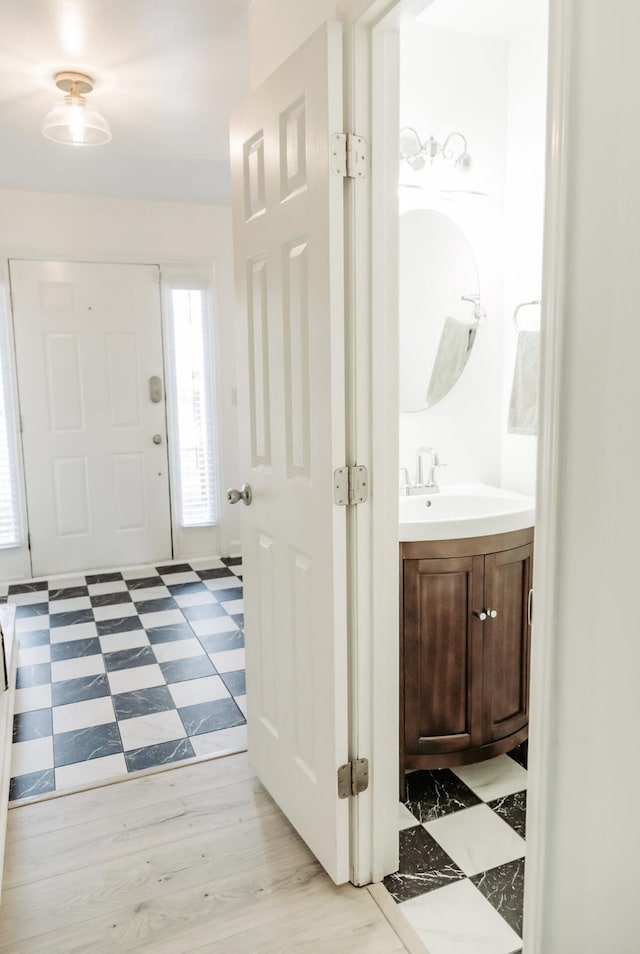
524, 304
478, 311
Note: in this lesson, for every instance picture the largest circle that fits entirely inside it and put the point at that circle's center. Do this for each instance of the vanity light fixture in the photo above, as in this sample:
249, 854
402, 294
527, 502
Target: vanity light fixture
73, 121
417, 153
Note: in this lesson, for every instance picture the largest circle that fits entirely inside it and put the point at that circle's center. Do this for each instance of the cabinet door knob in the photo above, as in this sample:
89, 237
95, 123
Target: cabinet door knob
492, 613
481, 615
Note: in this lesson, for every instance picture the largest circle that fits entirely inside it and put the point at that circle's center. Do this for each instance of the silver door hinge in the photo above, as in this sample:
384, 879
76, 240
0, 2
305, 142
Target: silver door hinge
349, 155
350, 485
353, 778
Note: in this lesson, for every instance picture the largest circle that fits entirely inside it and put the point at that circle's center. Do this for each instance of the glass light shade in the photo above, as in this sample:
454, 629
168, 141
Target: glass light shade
76, 123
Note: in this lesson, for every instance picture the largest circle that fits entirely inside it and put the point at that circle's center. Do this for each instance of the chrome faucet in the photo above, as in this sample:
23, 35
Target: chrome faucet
426, 462
425, 474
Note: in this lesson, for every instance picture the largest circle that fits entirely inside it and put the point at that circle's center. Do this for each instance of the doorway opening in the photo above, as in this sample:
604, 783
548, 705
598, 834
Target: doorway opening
116, 472
471, 185
139, 665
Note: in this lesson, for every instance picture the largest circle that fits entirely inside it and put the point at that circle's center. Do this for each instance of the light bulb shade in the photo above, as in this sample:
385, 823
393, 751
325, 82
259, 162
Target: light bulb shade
76, 123
417, 162
410, 145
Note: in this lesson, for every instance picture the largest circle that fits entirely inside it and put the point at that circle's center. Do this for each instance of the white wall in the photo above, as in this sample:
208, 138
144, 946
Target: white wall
494, 90
278, 27
457, 82
180, 231
586, 736
524, 210
47, 225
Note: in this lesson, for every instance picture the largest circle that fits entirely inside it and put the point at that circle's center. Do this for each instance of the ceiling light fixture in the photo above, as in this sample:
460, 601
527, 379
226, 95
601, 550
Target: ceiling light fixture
73, 121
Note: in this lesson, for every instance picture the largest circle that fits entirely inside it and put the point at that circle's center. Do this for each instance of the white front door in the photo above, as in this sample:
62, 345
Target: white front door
88, 343
288, 238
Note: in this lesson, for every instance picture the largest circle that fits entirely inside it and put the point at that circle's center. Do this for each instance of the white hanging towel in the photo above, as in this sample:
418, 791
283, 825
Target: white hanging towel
455, 344
523, 406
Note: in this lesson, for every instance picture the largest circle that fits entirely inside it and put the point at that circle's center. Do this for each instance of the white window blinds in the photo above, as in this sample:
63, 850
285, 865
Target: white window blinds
11, 533
191, 396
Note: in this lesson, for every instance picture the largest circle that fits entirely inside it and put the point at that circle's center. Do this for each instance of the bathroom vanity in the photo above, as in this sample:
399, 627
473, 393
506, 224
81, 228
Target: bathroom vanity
465, 622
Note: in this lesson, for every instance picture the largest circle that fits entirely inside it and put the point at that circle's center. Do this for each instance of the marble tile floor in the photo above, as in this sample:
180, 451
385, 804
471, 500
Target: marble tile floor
461, 877
126, 670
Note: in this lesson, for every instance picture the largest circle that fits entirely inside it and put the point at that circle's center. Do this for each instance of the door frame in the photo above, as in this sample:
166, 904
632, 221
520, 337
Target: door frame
15, 563
372, 40
372, 376
544, 636
371, 56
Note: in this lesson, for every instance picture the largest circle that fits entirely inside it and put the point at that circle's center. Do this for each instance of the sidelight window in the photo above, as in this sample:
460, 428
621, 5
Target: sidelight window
11, 531
192, 407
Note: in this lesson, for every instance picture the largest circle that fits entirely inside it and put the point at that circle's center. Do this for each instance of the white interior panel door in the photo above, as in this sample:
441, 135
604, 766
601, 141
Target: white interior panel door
88, 341
288, 237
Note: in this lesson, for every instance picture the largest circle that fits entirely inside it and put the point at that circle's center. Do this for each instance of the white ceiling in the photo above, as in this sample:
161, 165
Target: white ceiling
500, 19
167, 75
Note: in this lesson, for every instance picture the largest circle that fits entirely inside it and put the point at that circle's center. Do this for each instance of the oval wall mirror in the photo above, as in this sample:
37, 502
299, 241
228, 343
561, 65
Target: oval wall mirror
439, 306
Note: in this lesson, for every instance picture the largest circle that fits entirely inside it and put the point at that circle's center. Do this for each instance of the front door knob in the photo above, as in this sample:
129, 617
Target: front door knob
157, 438
233, 496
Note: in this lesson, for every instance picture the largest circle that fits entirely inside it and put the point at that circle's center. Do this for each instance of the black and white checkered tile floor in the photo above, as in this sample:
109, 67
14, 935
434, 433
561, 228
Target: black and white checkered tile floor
124, 671
461, 877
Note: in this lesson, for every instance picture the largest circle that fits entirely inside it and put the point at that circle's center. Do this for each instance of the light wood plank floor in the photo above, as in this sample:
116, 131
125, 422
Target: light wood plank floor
196, 859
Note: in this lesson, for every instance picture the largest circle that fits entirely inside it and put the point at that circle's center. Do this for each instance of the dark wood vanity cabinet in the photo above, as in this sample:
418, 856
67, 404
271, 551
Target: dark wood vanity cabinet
464, 680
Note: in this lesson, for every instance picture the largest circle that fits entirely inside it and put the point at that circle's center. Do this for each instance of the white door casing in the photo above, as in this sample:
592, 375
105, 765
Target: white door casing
288, 238
88, 339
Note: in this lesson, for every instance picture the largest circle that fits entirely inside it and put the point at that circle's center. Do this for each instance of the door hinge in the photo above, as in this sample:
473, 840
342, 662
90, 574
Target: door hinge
350, 485
353, 778
349, 155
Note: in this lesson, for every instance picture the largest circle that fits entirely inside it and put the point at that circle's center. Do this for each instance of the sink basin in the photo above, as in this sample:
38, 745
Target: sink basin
464, 510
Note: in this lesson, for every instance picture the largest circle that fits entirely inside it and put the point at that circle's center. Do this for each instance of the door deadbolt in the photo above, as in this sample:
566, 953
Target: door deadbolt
233, 496
155, 389
157, 438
